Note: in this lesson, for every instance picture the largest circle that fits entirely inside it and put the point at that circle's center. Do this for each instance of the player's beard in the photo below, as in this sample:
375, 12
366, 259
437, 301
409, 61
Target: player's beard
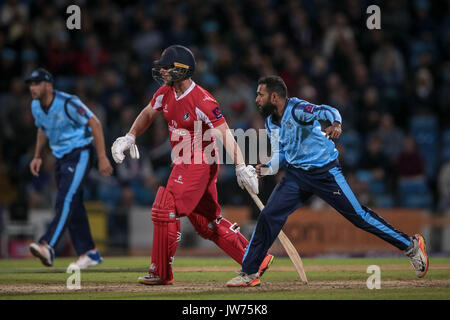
168, 81
38, 95
267, 109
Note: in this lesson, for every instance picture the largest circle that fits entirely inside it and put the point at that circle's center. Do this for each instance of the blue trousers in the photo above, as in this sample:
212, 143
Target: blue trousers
70, 212
293, 190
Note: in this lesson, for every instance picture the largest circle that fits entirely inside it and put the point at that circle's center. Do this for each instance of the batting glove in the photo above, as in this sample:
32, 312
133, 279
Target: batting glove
246, 176
121, 145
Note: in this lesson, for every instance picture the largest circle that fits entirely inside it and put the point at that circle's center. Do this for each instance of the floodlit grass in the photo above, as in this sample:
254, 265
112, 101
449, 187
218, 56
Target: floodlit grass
329, 279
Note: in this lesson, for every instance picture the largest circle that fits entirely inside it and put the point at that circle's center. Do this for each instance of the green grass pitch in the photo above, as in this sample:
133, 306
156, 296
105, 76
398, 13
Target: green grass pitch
204, 278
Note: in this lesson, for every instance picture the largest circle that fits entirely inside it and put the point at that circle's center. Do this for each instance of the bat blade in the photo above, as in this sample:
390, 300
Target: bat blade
285, 242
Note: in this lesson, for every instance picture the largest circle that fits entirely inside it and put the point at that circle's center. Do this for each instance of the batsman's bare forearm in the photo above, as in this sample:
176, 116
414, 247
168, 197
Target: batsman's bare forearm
97, 133
41, 140
230, 143
143, 121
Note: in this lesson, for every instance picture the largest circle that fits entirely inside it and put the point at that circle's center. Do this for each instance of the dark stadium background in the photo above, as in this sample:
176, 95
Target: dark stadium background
391, 86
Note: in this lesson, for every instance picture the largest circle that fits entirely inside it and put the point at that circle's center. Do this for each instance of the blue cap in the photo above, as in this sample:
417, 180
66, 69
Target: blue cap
177, 56
39, 75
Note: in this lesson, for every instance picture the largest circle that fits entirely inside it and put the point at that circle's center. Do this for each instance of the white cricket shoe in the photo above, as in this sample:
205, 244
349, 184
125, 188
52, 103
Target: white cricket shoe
244, 280
89, 259
43, 252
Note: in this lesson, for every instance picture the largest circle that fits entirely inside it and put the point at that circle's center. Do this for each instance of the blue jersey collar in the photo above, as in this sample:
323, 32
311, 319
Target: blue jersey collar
46, 110
278, 121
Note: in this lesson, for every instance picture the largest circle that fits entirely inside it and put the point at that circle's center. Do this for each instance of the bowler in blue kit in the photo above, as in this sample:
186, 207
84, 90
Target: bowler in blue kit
310, 160
70, 129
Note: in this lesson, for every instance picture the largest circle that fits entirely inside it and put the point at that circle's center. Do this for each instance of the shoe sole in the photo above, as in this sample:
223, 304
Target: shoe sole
96, 263
422, 246
155, 283
91, 265
254, 283
264, 269
37, 253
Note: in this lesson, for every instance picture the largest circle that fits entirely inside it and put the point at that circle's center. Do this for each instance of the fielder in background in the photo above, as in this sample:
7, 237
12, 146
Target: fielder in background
191, 189
69, 127
311, 165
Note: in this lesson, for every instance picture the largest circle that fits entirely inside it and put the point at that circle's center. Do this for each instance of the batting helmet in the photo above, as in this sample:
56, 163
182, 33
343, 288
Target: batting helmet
179, 59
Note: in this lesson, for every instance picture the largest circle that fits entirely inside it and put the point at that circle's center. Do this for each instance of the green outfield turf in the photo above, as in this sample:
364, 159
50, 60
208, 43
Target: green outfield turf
205, 278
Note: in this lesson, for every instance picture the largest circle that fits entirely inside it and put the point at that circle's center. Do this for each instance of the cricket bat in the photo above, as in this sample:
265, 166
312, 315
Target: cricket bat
287, 244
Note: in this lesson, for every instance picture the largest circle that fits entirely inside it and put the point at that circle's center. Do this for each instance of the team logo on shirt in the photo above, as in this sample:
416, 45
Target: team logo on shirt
186, 116
217, 112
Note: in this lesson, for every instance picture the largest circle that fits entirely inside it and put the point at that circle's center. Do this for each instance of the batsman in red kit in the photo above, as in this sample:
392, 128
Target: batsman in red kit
191, 189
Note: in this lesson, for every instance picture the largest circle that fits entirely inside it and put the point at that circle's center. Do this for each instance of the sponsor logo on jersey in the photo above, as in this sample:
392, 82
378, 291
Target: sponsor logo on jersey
186, 116
179, 179
309, 108
289, 125
58, 118
173, 128
217, 112
180, 132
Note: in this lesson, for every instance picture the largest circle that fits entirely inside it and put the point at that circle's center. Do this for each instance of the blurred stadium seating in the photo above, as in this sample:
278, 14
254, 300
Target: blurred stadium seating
322, 49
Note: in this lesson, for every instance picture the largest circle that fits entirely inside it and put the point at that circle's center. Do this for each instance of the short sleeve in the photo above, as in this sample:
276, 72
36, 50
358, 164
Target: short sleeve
77, 111
158, 97
210, 113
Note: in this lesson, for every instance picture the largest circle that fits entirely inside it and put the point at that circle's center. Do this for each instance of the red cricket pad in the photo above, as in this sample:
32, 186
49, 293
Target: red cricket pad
223, 233
166, 234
